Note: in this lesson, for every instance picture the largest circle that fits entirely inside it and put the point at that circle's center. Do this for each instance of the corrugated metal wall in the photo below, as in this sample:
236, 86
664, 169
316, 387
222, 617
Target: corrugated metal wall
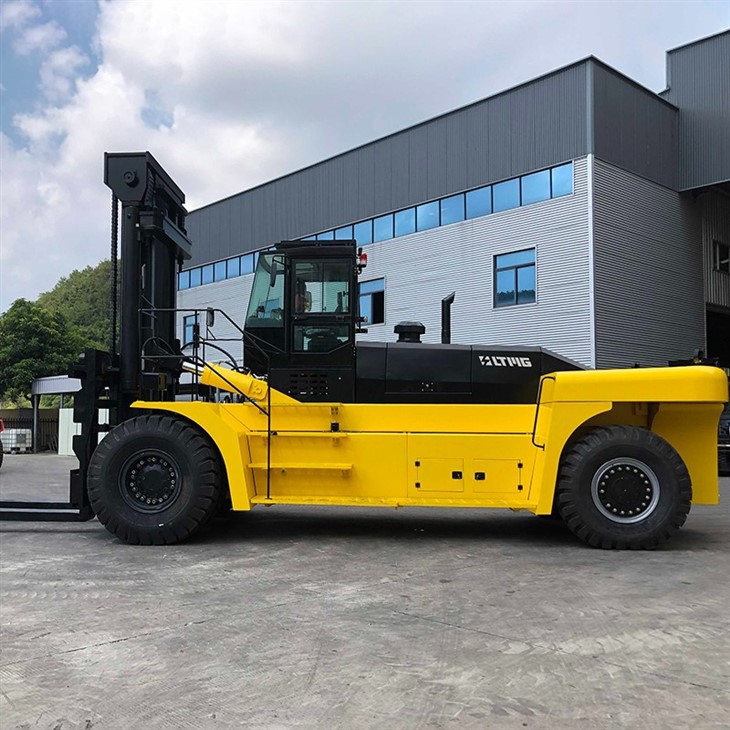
649, 297
715, 227
422, 268
698, 77
527, 128
232, 297
633, 127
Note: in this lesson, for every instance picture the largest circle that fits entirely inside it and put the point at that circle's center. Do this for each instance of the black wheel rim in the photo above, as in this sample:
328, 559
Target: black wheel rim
625, 490
149, 481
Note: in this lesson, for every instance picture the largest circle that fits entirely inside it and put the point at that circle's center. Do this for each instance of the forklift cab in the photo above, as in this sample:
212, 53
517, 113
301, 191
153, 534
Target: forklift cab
301, 319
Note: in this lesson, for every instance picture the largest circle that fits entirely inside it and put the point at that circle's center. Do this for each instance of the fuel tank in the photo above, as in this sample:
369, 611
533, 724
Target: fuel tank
416, 372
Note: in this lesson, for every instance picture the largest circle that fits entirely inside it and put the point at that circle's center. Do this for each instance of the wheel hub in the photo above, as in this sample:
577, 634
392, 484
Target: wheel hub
625, 490
150, 481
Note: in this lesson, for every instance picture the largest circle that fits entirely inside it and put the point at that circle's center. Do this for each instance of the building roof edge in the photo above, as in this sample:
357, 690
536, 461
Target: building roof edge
699, 40
561, 69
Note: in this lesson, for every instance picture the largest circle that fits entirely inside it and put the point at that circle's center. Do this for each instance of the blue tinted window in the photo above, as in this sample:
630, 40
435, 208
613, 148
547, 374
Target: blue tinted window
366, 309
364, 232
506, 195
536, 187
194, 277
405, 222
514, 278
452, 210
516, 259
504, 288
383, 228
344, 234
427, 216
248, 263
327, 236
368, 287
525, 284
183, 280
208, 274
372, 301
188, 324
562, 180
220, 271
479, 202
233, 267
310, 238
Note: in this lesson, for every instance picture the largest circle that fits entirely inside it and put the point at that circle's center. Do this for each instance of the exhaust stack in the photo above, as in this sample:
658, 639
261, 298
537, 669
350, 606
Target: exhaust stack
446, 303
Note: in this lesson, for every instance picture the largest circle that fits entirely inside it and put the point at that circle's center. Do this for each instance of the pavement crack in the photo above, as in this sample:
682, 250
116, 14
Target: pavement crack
7, 699
110, 642
457, 626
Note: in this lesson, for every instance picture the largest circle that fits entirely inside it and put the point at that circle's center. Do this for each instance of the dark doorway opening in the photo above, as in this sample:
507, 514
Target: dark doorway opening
718, 336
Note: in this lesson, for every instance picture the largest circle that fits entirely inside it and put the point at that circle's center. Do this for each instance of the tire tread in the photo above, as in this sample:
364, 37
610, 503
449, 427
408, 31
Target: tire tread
208, 489
603, 437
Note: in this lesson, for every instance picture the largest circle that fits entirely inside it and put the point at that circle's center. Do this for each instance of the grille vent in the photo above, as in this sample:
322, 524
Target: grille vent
308, 385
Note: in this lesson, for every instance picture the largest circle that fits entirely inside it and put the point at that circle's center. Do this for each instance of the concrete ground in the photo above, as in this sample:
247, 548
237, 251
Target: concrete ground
355, 618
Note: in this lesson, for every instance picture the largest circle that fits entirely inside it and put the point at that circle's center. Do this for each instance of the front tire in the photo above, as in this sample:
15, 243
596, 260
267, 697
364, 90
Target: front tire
155, 480
623, 487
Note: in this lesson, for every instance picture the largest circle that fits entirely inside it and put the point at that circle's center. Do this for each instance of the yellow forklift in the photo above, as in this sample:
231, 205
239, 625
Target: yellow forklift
314, 417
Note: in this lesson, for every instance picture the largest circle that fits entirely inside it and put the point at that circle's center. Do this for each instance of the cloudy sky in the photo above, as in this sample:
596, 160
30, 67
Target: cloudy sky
227, 95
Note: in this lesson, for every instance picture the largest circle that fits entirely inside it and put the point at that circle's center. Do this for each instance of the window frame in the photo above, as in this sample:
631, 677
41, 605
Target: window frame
230, 272
421, 211
404, 219
347, 230
185, 325
392, 227
514, 268
534, 176
502, 185
552, 169
370, 294
368, 223
474, 191
461, 197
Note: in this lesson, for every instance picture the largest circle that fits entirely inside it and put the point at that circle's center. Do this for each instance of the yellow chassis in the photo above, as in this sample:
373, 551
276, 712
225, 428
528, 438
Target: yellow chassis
448, 455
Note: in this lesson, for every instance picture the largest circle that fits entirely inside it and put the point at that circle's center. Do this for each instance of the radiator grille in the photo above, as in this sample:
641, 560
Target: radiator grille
308, 385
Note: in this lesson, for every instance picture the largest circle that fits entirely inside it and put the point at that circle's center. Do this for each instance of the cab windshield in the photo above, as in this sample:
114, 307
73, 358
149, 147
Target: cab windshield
266, 306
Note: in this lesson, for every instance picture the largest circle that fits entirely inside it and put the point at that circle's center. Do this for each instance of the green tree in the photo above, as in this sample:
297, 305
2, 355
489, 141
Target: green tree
34, 343
82, 298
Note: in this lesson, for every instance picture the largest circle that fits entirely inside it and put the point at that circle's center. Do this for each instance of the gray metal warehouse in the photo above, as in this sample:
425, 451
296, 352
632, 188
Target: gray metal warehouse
579, 211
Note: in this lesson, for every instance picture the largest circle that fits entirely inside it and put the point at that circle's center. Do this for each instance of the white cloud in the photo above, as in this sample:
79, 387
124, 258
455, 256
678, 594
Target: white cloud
17, 13
58, 72
39, 38
229, 94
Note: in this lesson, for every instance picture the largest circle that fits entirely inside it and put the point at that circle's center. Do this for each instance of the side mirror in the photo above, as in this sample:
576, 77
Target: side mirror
209, 317
272, 274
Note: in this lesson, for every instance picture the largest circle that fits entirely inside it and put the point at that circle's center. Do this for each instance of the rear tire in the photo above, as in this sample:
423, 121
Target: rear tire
623, 487
155, 480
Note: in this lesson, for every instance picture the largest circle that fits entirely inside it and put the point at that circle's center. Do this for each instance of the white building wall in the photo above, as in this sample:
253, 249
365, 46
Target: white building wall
231, 296
422, 268
68, 428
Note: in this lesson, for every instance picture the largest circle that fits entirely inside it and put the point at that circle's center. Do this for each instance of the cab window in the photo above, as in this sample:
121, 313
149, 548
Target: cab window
321, 287
266, 306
